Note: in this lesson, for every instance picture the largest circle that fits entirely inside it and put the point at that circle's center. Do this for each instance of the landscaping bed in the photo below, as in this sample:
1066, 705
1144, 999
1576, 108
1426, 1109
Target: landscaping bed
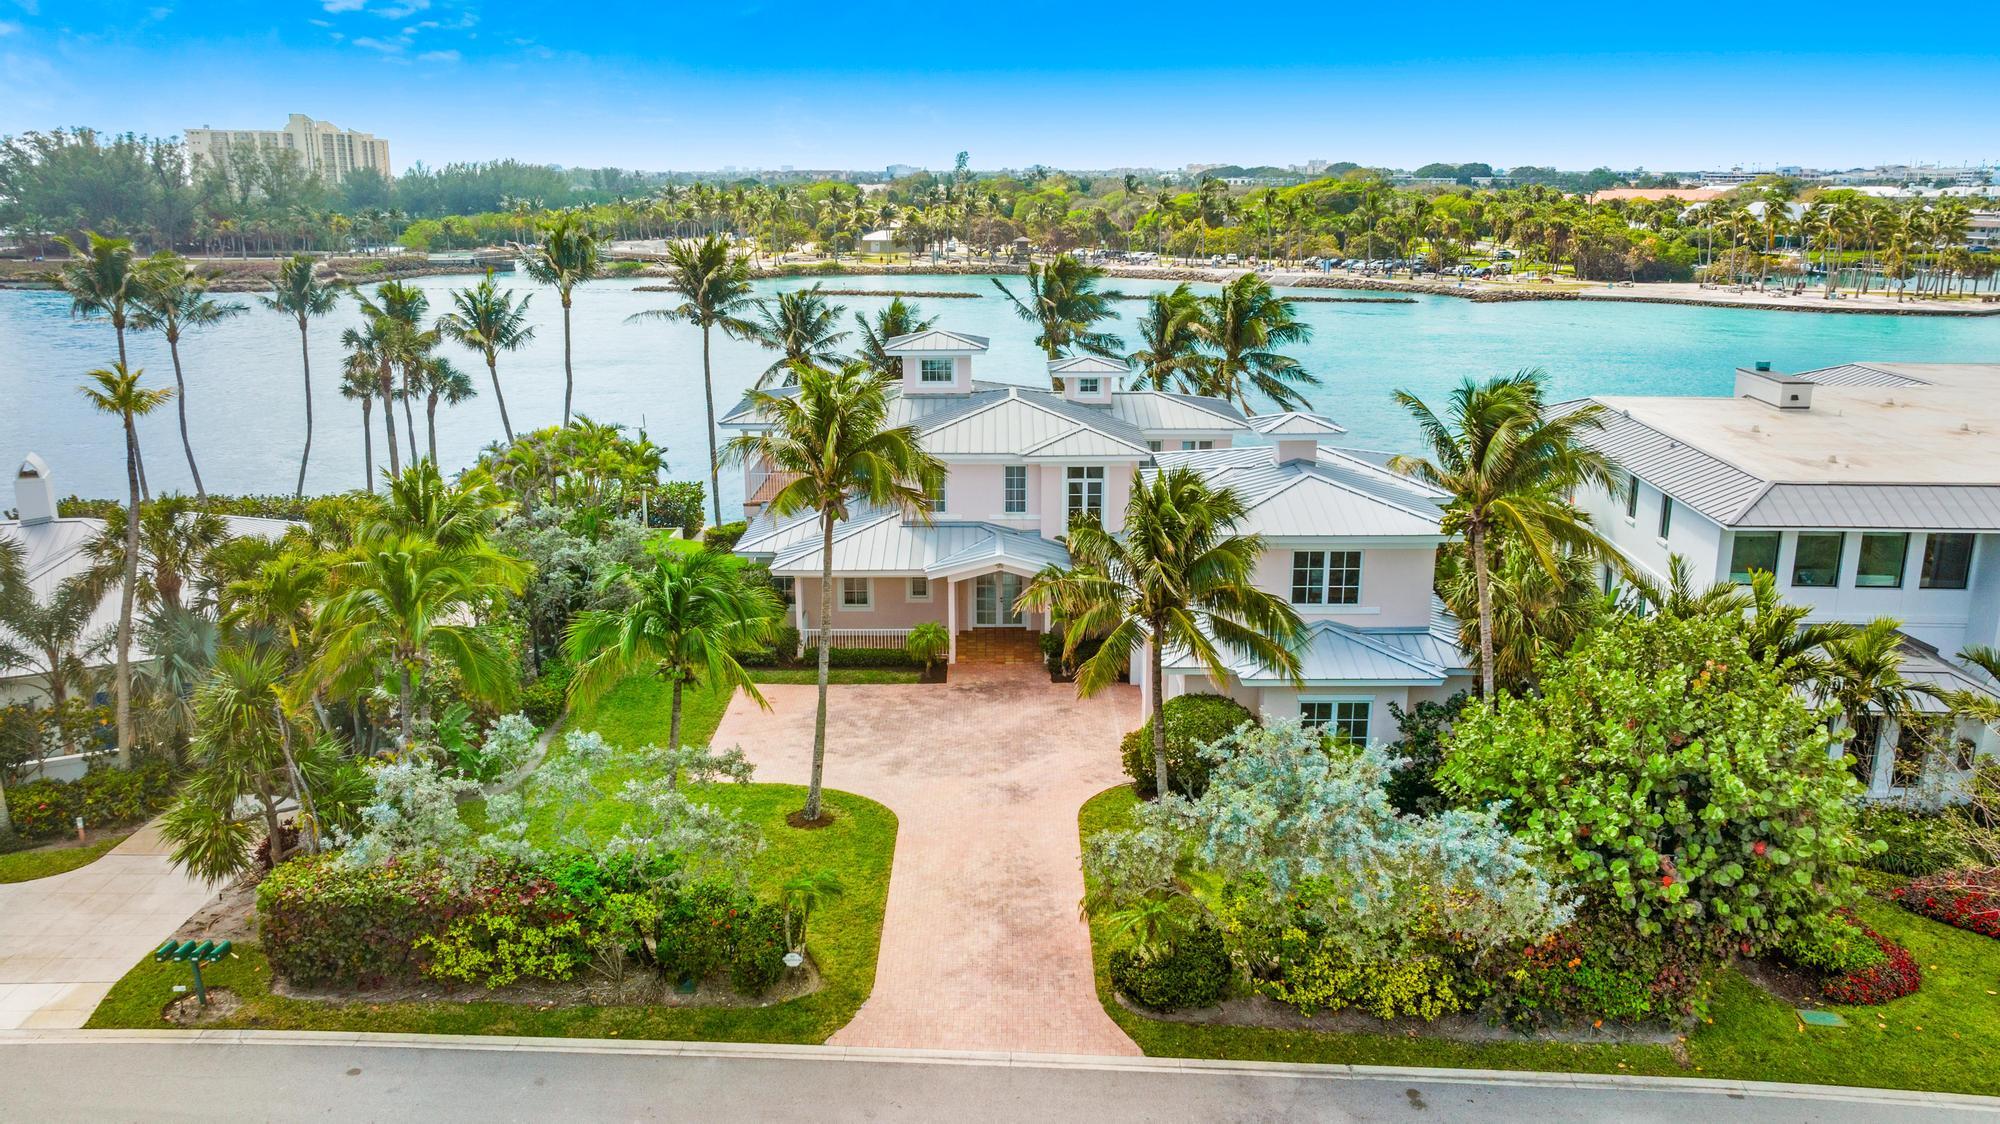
1945, 1038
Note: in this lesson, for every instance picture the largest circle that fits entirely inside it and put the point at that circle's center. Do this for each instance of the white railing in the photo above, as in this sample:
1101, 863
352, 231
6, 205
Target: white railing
890, 638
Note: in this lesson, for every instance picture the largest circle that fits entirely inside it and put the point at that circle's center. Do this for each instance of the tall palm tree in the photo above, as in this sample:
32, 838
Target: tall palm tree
801, 326
567, 256
117, 391
1534, 611
406, 307
896, 319
1242, 326
1507, 465
298, 293
102, 281
1065, 304
357, 384
441, 381
834, 440
405, 605
714, 286
175, 541
486, 320
1179, 575
686, 619
174, 299
1169, 355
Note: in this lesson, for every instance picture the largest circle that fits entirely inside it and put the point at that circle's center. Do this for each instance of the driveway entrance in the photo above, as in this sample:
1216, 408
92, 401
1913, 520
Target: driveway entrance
982, 945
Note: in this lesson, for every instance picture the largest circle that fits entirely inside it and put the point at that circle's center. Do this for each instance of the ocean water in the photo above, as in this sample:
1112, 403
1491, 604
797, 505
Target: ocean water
246, 414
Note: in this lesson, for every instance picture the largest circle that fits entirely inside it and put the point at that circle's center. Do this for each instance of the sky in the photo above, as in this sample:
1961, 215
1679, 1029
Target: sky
670, 85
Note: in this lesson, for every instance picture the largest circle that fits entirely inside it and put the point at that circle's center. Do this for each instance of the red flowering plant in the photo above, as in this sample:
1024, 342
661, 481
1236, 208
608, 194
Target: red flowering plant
1895, 976
1968, 899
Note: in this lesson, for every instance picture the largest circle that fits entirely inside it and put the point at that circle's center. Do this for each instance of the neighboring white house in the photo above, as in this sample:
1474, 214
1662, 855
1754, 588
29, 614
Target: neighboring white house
1868, 489
1350, 544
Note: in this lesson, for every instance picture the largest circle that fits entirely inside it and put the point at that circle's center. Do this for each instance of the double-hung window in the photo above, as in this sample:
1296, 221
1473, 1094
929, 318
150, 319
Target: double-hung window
1089, 386
855, 593
1086, 492
937, 371
1666, 515
1014, 489
936, 499
1326, 577
1346, 719
1947, 561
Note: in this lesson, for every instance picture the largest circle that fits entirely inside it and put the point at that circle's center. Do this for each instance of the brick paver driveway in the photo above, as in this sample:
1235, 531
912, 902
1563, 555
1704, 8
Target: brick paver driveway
982, 948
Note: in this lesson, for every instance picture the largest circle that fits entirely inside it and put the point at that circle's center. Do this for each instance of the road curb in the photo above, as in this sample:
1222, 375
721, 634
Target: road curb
1006, 1059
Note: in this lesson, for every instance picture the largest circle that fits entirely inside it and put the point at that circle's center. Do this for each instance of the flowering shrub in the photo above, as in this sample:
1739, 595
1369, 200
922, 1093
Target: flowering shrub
1597, 968
1969, 899
1892, 977
47, 809
1832, 943
1664, 768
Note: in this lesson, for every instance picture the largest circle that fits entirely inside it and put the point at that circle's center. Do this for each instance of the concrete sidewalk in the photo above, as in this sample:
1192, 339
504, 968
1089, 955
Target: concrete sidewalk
64, 940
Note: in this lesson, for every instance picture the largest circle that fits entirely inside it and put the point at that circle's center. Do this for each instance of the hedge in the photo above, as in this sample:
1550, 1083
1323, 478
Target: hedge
48, 809
1193, 723
1193, 972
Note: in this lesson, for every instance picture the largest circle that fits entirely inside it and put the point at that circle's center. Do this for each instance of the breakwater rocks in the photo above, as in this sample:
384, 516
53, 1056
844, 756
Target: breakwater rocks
254, 275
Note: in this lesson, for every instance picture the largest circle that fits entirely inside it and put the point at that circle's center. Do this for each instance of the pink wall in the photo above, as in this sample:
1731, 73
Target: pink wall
893, 608
1054, 496
1395, 586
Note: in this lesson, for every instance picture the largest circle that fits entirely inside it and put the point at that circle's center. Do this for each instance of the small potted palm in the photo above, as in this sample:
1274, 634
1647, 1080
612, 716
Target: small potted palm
927, 645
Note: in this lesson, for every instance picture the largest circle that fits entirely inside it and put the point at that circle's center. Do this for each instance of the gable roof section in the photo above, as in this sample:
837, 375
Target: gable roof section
1151, 410
1858, 374
885, 544
1088, 365
1296, 424
1337, 495
935, 341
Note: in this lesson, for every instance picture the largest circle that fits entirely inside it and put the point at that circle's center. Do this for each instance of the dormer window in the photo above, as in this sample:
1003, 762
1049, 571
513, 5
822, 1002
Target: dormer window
1090, 386
938, 371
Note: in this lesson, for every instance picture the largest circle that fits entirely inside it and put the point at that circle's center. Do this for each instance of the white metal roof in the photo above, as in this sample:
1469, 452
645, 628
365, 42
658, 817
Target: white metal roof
1335, 655
935, 341
1031, 425
1334, 496
885, 543
1296, 424
1088, 365
1156, 410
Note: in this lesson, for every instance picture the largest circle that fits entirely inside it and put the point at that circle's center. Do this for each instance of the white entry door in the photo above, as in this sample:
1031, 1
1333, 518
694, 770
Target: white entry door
993, 597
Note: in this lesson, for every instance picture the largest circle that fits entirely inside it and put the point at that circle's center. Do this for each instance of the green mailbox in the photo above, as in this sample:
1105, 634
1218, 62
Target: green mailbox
194, 954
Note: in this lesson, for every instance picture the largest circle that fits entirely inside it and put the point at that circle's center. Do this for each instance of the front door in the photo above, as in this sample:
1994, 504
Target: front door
993, 597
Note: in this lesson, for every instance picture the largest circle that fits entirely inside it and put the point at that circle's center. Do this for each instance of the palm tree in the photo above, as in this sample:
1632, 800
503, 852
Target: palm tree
1064, 302
715, 293
357, 384
800, 326
1863, 676
303, 296
834, 440
117, 391
101, 280
897, 319
49, 637
1242, 325
1507, 465
685, 619
441, 381
1177, 576
567, 256
173, 299
486, 320
1534, 611
1169, 355
405, 605
175, 542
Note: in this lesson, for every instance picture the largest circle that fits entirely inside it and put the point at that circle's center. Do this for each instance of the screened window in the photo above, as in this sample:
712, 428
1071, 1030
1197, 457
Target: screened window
1816, 565
1086, 491
1326, 577
1346, 719
1631, 496
1881, 561
1753, 550
1666, 514
920, 589
1015, 488
1947, 561
855, 594
938, 370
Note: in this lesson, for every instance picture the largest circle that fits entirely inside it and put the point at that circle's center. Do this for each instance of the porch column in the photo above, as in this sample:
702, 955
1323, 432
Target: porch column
951, 619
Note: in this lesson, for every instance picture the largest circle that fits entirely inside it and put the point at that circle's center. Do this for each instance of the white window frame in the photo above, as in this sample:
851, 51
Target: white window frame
937, 498
867, 602
910, 589
1008, 474
1090, 386
1319, 564
1195, 446
1078, 483
1334, 703
924, 371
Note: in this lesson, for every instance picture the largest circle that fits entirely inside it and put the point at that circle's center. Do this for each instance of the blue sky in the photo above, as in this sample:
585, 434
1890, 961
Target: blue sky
671, 85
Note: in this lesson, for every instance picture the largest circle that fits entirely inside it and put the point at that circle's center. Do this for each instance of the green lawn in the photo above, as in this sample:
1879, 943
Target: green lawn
1944, 1038
26, 866
845, 934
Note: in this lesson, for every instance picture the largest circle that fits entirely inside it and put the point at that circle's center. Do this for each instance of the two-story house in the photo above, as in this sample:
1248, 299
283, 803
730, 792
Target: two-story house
1868, 490
1351, 545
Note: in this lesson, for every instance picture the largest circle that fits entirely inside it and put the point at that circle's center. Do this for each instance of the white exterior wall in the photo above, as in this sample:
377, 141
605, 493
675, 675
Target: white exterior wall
1395, 584
1691, 535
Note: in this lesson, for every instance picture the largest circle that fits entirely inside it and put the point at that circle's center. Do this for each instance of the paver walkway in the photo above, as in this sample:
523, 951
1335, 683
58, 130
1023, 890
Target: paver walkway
982, 947
65, 939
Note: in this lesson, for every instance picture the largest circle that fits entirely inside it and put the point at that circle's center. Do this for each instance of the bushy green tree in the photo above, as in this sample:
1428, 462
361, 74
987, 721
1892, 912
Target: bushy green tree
1674, 775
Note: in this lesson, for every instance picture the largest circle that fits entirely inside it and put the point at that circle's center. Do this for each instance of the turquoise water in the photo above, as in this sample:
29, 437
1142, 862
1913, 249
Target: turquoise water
246, 417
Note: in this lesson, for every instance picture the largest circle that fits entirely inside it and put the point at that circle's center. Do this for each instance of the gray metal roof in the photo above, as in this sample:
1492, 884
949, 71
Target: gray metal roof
1925, 665
884, 543
1088, 365
1157, 410
1857, 374
1031, 425
1295, 423
1335, 655
1706, 483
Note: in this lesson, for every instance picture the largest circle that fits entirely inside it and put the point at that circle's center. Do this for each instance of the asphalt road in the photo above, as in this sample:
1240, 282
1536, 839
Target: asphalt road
65, 1077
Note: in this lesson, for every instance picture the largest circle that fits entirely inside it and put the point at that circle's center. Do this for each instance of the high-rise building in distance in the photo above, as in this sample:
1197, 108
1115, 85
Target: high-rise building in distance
321, 147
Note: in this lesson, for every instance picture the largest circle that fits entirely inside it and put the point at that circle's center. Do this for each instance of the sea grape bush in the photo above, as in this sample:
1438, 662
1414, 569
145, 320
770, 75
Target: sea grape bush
1668, 771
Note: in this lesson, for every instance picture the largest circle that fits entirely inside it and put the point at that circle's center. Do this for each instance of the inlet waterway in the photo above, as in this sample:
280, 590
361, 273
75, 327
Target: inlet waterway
246, 413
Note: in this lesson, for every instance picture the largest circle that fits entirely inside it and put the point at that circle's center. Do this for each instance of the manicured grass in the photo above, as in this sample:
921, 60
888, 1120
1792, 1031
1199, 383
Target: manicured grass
1944, 1038
26, 866
846, 933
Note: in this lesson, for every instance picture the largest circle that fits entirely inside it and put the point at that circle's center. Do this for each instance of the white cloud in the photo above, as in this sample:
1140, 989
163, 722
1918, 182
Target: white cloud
343, 5
438, 56
386, 46
402, 9
7, 28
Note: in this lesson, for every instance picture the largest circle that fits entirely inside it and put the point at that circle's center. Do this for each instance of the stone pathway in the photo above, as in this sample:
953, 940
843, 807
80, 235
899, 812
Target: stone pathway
983, 947
64, 940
